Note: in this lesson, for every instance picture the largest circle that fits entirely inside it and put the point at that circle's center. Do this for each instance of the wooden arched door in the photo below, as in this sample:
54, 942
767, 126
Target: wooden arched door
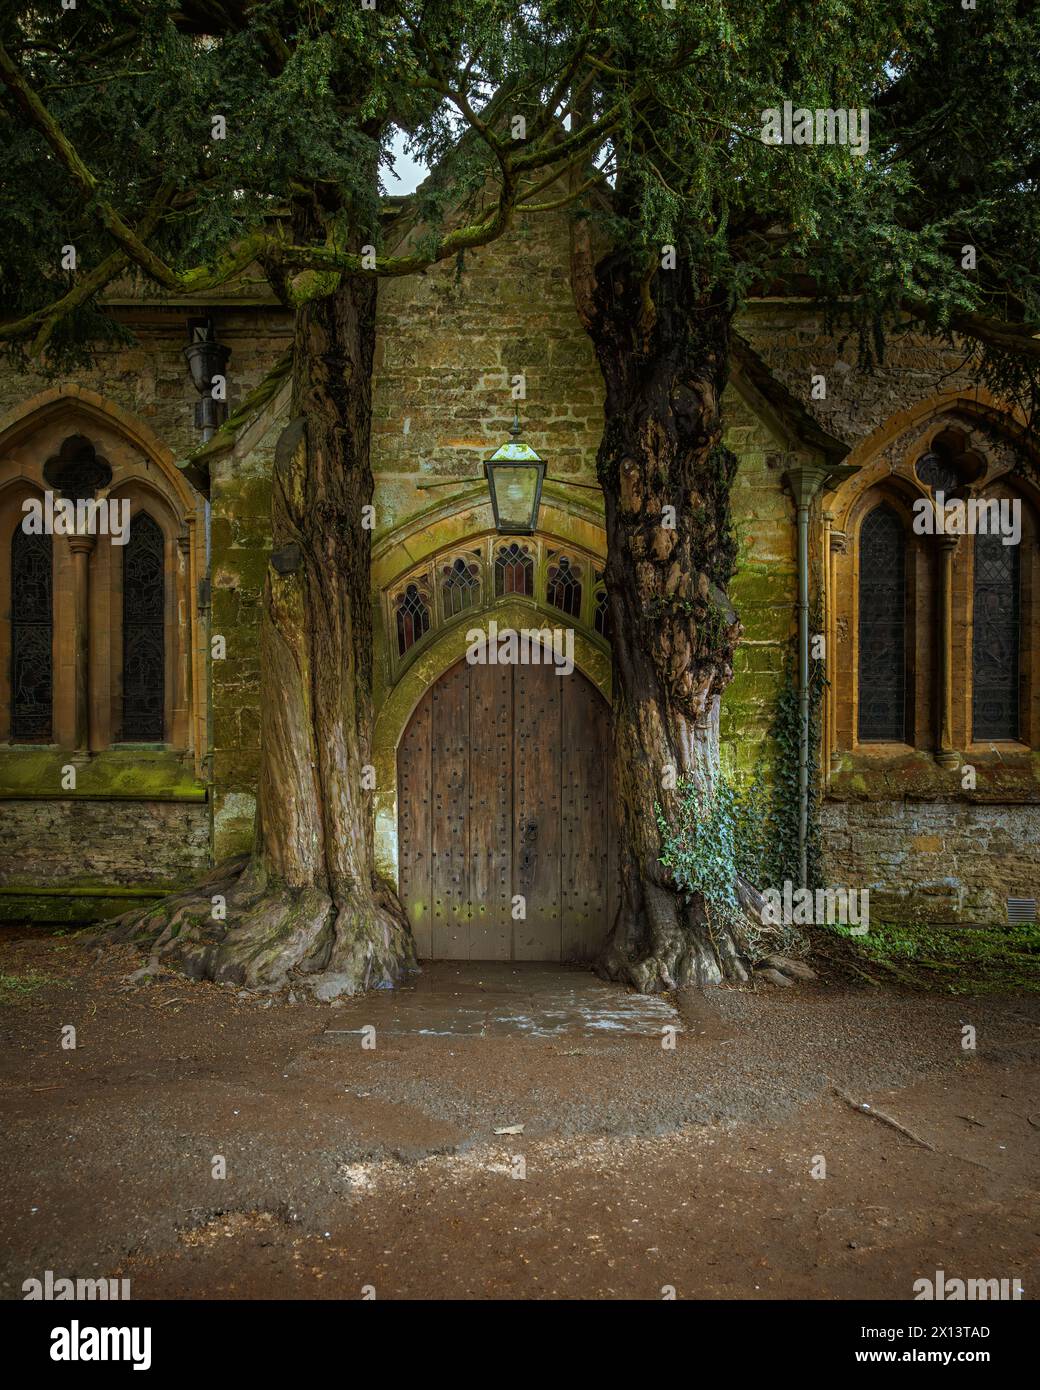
504, 794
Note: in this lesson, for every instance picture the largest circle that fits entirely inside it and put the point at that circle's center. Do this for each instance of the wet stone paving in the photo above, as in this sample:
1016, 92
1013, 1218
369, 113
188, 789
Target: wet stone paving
502, 998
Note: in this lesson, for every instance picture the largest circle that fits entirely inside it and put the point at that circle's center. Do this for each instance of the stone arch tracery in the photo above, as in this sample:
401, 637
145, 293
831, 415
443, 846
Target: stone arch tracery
561, 582
71, 444
955, 451
469, 562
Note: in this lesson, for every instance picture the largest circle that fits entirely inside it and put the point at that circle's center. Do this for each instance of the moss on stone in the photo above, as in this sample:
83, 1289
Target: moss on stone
71, 905
139, 774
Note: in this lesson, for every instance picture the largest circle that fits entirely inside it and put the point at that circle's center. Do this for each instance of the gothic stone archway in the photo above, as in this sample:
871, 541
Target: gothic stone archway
504, 792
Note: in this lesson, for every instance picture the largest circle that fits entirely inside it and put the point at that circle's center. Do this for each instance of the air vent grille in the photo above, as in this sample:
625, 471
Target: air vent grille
1021, 910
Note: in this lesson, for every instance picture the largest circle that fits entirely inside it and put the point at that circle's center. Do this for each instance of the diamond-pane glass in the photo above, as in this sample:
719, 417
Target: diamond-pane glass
996, 639
32, 634
460, 586
514, 570
601, 614
563, 587
882, 628
144, 633
413, 617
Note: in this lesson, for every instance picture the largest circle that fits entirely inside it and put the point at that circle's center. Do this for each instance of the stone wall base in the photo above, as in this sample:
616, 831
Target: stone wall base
85, 860
933, 861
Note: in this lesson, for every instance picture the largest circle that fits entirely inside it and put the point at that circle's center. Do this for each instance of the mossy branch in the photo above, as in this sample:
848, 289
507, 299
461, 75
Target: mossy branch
45, 320
270, 249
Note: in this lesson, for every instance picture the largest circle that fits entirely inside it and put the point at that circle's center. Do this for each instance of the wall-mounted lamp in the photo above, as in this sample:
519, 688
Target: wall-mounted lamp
514, 473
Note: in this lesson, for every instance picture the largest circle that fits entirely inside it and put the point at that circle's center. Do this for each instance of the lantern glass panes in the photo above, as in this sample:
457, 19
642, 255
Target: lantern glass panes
515, 473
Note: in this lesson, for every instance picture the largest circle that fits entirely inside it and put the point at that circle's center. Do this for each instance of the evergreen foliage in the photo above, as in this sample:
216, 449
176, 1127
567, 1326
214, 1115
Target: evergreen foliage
108, 112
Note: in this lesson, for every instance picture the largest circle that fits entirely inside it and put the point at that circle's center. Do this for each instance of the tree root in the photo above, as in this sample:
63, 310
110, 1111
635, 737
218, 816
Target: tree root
235, 926
663, 942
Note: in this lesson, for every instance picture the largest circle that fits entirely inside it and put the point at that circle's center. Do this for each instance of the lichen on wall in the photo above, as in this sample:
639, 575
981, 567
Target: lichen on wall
763, 590
241, 540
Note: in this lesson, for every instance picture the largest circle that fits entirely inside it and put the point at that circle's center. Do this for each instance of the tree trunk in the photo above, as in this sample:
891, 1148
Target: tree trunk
662, 342
307, 905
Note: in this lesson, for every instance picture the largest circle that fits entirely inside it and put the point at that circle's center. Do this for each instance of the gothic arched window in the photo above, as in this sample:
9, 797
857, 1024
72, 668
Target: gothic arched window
32, 637
514, 570
563, 586
601, 613
413, 617
460, 586
882, 628
996, 639
144, 633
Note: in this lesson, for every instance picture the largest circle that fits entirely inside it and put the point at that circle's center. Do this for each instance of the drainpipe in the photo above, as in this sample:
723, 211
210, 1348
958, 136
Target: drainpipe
804, 482
207, 361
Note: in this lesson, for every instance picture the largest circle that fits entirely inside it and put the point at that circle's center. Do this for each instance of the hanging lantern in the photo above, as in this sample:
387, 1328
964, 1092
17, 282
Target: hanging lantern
514, 473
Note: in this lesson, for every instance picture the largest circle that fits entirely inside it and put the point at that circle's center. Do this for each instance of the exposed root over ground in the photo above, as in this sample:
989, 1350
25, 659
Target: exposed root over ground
236, 925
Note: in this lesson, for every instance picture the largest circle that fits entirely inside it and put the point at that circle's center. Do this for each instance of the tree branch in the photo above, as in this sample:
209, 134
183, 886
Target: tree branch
48, 318
1022, 339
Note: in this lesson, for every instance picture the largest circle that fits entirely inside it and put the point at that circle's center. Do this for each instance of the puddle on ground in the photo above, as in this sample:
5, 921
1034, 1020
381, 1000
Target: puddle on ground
501, 999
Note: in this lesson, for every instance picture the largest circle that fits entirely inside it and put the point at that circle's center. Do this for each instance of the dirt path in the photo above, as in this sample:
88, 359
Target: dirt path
643, 1168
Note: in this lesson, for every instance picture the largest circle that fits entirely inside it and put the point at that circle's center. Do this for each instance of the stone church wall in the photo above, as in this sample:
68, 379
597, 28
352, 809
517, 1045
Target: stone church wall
925, 854
449, 346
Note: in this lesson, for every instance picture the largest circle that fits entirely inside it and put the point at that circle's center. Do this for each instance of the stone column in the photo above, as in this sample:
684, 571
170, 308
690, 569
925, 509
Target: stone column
81, 547
945, 753
182, 646
827, 722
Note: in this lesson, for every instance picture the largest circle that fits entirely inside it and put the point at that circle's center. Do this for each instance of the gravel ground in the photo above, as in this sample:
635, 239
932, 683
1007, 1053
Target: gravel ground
637, 1168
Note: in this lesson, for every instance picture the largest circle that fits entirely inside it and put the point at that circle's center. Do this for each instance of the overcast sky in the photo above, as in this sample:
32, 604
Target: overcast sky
409, 174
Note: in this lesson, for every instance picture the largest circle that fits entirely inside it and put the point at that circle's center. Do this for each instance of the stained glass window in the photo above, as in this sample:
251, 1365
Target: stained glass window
413, 617
514, 570
937, 472
32, 636
563, 586
882, 628
995, 644
601, 613
144, 633
460, 586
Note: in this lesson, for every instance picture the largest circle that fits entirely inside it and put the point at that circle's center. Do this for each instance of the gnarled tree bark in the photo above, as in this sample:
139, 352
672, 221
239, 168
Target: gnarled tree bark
307, 905
662, 341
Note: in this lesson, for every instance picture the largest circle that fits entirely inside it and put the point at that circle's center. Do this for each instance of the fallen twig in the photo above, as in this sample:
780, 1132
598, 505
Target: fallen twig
865, 1109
